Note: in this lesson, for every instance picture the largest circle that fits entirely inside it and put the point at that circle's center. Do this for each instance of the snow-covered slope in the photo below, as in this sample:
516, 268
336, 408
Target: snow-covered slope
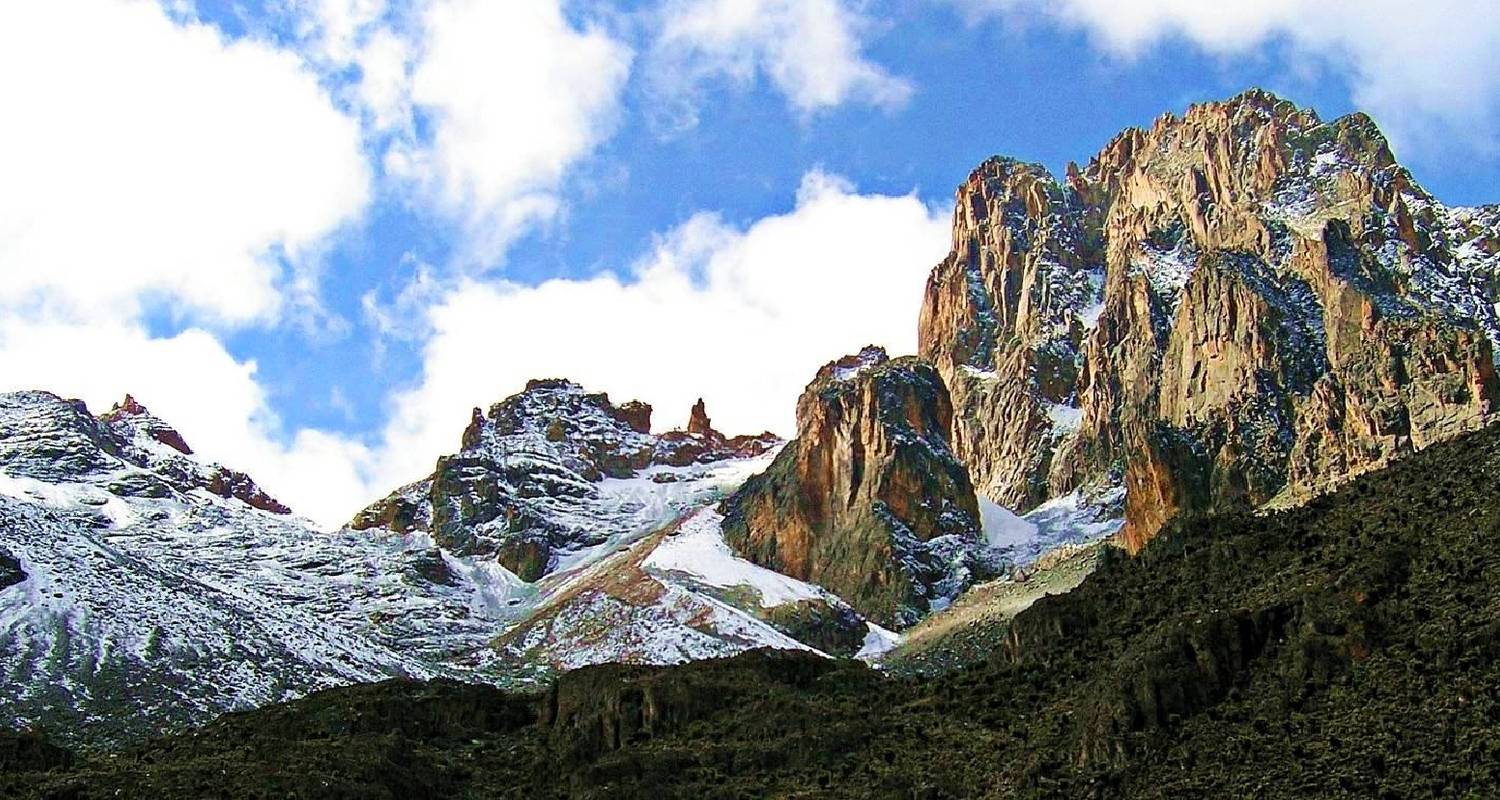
140, 586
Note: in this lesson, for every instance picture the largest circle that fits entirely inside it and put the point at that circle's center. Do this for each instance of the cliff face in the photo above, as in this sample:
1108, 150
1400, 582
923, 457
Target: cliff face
1241, 304
868, 501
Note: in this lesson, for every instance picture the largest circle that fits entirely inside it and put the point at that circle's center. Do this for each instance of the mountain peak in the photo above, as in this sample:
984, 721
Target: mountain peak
1216, 302
852, 366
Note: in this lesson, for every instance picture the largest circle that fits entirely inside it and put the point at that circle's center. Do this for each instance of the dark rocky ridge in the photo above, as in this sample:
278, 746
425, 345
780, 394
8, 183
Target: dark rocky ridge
45, 437
11, 571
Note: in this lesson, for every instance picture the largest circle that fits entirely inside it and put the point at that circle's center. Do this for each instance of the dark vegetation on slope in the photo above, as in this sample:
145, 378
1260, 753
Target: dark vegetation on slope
1348, 648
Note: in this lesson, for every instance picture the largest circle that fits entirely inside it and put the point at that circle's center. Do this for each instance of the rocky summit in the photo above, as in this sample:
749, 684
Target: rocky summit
527, 469
1239, 305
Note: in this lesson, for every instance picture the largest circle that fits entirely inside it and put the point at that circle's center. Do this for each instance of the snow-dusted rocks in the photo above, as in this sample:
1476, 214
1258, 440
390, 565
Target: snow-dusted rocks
134, 594
868, 501
680, 595
526, 487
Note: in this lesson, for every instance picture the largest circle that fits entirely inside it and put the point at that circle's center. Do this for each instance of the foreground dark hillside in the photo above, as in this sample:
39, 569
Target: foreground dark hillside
1348, 648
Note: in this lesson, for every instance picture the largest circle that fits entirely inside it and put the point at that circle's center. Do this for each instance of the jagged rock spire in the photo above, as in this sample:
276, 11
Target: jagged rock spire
698, 421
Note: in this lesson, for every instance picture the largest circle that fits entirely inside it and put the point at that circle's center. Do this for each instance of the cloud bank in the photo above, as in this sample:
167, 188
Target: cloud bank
1430, 72
146, 161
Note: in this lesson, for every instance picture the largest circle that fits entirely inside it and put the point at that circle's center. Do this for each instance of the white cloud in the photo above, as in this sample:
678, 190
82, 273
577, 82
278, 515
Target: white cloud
337, 28
370, 37
148, 164
811, 50
145, 159
740, 317
1426, 71
516, 94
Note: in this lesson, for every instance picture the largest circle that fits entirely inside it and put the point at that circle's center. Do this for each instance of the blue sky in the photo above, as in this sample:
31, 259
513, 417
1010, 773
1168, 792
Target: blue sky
312, 233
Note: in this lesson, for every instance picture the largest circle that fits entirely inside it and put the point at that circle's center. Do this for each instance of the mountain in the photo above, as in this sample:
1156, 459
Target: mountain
144, 587
1346, 648
1242, 305
1181, 347
608, 525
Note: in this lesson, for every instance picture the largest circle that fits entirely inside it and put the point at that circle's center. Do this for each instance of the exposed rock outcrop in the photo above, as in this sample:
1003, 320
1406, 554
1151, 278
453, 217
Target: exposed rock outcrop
698, 421
136, 414
11, 571
526, 463
1239, 305
700, 442
868, 501
140, 430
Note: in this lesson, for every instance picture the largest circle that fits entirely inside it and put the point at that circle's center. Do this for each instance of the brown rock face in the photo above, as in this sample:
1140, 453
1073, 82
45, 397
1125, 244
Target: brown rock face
635, 414
1241, 304
230, 483
868, 501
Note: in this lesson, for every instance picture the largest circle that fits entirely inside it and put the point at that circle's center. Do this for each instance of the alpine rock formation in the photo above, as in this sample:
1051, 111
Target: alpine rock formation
868, 501
1243, 305
536, 482
610, 528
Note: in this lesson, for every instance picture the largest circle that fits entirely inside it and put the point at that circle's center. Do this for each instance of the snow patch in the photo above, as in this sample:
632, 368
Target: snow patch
1002, 527
698, 550
878, 642
1167, 270
1065, 419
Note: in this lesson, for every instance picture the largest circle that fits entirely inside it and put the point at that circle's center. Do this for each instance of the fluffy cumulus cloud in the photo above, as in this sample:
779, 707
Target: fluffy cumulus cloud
811, 50
365, 39
515, 94
143, 159
742, 317
149, 165
1428, 71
